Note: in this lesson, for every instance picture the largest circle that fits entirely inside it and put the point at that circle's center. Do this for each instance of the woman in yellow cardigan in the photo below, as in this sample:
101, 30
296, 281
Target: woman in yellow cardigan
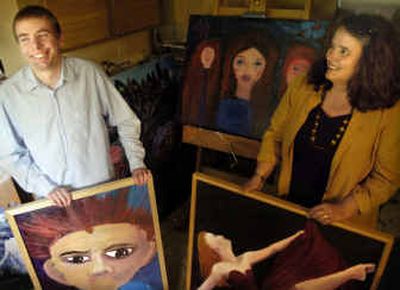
336, 134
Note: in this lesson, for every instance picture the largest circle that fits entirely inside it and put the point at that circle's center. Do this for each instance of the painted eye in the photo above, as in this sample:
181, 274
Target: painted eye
76, 259
239, 61
258, 63
119, 253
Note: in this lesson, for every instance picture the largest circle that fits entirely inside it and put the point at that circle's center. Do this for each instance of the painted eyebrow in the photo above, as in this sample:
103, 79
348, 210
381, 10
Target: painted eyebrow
240, 54
117, 246
74, 253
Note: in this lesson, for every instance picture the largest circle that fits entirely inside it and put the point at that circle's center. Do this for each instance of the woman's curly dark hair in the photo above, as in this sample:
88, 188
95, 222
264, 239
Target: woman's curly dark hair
376, 82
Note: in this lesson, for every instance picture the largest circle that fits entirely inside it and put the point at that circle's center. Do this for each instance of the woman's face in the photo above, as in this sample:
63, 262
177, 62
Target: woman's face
221, 245
105, 259
248, 67
343, 57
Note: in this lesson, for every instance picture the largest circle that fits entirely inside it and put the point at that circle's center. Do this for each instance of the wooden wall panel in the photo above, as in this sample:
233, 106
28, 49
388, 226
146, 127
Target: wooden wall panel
132, 15
83, 22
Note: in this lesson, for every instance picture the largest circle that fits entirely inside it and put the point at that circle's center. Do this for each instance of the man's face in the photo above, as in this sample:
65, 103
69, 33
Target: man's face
39, 43
107, 258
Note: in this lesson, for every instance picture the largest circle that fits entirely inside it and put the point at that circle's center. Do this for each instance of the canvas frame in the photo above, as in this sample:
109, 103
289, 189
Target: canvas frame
79, 194
281, 205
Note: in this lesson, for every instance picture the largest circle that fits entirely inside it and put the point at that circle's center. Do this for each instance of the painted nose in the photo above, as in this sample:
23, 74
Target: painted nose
99, 265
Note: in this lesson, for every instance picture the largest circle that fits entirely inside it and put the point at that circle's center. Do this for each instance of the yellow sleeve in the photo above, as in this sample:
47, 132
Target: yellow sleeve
270, 150
384, 178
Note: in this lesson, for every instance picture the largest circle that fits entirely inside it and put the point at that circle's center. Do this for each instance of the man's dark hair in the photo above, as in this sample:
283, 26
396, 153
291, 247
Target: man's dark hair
376, 81
35, 11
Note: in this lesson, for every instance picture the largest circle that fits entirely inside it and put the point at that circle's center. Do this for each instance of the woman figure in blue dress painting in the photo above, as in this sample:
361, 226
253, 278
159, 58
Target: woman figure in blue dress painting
249, 63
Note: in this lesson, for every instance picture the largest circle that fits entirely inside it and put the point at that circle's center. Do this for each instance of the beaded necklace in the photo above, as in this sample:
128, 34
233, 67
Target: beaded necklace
335, 139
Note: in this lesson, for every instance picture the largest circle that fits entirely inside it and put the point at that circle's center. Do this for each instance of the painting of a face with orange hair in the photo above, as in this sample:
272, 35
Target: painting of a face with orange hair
298, 61
99, 242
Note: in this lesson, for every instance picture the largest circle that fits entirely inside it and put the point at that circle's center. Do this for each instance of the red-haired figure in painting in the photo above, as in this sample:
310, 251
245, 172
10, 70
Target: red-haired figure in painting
96, 243
245, 99
201, 84
220, 267
298, 61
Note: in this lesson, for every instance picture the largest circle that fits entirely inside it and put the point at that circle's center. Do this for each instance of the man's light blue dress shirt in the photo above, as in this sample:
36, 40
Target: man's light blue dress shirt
51, 138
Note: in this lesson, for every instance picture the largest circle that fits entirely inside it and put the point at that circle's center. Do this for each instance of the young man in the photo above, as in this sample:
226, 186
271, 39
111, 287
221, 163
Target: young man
53, 116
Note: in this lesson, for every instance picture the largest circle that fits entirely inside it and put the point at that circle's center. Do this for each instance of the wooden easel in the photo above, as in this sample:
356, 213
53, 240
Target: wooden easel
222, 142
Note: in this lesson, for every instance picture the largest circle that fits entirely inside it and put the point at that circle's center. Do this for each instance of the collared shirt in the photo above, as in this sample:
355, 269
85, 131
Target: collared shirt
58, 137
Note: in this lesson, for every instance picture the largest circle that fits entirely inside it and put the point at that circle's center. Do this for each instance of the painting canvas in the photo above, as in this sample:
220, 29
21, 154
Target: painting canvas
12, 270
109, 238
251, 221
238, 68
151, 89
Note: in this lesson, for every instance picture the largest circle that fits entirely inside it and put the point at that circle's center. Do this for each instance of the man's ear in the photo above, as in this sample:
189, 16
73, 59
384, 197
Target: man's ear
61, 39
53, 273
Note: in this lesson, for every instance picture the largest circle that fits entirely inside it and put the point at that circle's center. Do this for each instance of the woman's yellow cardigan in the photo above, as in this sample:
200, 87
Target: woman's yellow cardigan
366, 163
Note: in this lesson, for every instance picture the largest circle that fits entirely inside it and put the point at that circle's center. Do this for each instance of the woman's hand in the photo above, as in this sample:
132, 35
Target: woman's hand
256, 182
327, 213
262, 172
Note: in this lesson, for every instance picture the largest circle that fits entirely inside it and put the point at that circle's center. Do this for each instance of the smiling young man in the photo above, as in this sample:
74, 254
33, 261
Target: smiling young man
53, 115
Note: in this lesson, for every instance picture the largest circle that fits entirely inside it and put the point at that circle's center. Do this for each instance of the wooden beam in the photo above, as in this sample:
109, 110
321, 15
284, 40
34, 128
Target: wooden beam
219, 141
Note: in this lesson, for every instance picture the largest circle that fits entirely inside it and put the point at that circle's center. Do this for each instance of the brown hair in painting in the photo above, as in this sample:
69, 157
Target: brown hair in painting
200, 90
246, 99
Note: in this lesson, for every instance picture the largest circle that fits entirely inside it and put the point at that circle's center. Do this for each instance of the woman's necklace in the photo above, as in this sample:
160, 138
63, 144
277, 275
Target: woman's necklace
336, 137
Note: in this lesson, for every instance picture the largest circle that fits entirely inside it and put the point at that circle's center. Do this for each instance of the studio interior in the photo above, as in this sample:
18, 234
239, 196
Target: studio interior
200, 144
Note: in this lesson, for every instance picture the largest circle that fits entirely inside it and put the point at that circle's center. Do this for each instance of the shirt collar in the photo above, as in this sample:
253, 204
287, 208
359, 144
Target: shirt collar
32, 82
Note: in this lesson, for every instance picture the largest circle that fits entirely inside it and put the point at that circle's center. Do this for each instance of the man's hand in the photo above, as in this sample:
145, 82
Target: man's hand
141, 175
60, 196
